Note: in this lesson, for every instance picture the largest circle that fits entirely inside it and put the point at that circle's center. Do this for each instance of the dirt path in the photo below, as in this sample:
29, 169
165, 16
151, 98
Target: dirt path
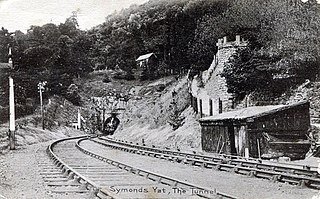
20, 177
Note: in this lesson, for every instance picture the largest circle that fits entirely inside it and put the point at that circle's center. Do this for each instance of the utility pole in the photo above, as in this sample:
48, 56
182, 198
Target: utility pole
12, 122
41, 89
103, 112
79, 119
12, 125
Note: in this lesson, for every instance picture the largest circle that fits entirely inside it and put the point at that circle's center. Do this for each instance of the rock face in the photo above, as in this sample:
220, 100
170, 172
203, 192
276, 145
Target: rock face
210, 91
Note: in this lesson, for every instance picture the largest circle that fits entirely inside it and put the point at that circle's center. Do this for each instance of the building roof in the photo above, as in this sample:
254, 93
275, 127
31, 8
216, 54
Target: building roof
249, 112
143, 57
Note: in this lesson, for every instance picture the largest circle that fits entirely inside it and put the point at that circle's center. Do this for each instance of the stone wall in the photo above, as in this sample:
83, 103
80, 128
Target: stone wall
211, 86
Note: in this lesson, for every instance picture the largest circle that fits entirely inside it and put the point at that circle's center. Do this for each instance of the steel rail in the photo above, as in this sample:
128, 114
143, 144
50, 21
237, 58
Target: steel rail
311, 170
299, 176
224, 156
153, 176
72, 174
219, 156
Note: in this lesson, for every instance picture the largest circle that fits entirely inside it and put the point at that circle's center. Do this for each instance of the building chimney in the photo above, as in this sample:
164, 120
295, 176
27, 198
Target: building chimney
219, 43
224, 40
238, 39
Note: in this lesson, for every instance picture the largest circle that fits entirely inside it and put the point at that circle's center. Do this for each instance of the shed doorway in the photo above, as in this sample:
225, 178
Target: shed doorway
240, 140
232, 140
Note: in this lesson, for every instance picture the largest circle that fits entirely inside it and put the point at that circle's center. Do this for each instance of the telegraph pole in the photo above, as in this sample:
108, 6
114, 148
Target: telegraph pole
12, 125
79, 119
41, 89
103, 114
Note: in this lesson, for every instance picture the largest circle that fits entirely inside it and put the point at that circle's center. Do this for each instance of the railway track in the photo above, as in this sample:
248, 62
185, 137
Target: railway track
301, 175
105, 178
58, 185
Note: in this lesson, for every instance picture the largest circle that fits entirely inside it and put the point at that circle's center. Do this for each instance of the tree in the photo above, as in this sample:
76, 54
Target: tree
6, 40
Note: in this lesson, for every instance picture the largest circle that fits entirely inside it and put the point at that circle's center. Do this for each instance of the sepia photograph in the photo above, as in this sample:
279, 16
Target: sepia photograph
160, 99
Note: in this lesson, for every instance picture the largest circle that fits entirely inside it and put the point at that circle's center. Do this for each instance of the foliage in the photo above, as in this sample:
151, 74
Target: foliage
283, 53
106, 78
283, 35
72, 94
163, 27
5, 40
245, 73
52, 53
126, 75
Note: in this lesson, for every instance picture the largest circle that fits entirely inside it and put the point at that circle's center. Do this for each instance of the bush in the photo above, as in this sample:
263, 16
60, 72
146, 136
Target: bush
106, 79
124, 75
129, 76
160, 87
147, 75
72, 95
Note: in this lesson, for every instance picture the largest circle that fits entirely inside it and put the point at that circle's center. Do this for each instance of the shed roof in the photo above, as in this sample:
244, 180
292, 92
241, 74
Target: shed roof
250, 112
143, 57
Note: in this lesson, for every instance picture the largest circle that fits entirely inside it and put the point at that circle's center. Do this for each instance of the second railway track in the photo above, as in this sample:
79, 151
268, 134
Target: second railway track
106, 178
301, 175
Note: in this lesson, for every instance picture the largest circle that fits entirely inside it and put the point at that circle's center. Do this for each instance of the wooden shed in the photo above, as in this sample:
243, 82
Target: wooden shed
147, 61
259, 131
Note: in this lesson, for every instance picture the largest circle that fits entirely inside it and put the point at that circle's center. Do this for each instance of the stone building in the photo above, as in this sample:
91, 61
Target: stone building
209, 90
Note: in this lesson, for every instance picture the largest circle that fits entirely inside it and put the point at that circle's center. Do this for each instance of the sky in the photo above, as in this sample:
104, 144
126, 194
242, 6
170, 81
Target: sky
21, 14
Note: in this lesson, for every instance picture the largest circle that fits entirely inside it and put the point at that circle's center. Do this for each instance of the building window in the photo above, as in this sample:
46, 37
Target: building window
220, 105
210, 107
201, 108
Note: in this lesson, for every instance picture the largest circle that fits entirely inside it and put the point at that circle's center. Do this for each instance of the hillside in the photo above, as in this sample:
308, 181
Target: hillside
281, 55
150, 113
182, 34
157, 111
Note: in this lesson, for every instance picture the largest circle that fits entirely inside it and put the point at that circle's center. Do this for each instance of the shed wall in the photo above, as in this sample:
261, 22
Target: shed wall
290, 125
272, 134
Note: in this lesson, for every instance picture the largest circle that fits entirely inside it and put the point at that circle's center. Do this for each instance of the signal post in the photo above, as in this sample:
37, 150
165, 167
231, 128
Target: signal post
12, 125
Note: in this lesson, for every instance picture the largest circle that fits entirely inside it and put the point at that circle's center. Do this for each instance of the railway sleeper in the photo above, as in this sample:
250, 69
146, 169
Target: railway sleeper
66, 173
217, 167
197, 163
252, 174
93, 193
238, 169
235, 170
170, 158
174, 184
185, 161
71, 176
76, 179
275, 178
289, 180
204, 165
83, 185
263, 175
244, 172
304, 183
165, 181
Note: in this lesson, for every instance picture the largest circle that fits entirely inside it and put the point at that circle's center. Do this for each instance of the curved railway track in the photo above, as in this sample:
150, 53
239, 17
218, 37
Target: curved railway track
100, 175
301, 175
